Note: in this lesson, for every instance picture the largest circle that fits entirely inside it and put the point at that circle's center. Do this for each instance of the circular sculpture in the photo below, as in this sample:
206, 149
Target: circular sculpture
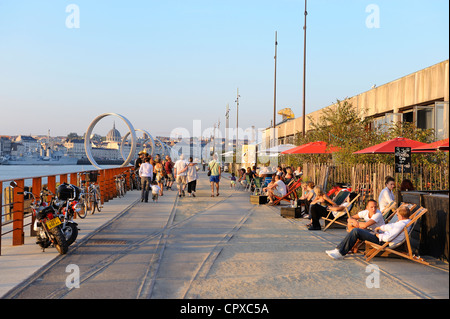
87, 140
143, 131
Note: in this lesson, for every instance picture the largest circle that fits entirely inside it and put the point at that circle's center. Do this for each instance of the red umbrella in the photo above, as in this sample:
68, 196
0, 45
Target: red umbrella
313, 148
388, 147
432, 147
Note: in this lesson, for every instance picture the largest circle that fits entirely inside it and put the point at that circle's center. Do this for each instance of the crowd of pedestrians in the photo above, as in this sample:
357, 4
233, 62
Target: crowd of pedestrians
157, 174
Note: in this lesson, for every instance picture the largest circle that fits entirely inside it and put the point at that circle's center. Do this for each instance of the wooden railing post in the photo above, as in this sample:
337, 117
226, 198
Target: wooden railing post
18, 208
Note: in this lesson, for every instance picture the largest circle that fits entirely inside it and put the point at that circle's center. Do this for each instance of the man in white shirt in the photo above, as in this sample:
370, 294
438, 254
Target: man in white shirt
392, 233
146, 175
372, 217
278, 188
180, 172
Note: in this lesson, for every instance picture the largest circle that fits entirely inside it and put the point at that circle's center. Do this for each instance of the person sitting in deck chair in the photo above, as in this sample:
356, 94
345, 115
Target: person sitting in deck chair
277, 188
392, 232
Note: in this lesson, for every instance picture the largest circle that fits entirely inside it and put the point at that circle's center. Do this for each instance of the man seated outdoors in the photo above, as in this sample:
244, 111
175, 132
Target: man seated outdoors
372, 217
275, 188
392, 232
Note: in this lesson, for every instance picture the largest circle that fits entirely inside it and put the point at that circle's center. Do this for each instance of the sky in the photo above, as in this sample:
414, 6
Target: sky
163, 64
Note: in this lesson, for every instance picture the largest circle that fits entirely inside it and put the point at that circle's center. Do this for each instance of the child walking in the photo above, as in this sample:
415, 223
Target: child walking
155, 191
233, 181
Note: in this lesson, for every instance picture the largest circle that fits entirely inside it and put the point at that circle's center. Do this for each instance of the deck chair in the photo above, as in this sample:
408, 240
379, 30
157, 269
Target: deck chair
387, 210
248, 185
338, 217
257, 184
393, 217
359, 245
291, 192
402, 249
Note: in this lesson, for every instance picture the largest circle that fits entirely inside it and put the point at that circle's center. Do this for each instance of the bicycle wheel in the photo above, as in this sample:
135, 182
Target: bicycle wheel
81, 209
98, 202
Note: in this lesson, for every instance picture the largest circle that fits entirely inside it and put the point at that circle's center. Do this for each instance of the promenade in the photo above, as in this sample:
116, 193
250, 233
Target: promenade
208, 248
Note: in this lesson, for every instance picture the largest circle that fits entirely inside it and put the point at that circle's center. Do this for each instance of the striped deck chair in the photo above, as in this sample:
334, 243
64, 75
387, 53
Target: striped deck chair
291, 193
338, 218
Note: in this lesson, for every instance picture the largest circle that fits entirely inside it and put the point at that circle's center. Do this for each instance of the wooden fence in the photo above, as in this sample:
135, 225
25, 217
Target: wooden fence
368, 179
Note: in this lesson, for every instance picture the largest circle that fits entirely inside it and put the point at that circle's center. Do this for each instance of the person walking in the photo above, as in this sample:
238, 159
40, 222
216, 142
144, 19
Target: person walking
192, 177
159, 168
146, 175
168, 166
214, 178
180, 172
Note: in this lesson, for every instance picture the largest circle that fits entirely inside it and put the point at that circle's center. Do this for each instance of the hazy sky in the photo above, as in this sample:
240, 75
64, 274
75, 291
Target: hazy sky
163, 64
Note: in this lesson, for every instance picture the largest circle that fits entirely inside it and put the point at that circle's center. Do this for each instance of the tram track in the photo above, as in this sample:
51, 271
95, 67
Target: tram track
122, 249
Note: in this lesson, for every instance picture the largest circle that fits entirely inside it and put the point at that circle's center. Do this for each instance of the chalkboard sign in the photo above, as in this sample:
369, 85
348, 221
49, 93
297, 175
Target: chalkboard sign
403, 159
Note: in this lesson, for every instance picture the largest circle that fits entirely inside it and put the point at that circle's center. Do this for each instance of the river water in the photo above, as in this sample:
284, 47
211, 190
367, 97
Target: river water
10, 172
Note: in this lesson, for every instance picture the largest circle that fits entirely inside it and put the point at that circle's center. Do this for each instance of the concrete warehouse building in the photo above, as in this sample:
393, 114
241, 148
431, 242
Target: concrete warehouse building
421, 97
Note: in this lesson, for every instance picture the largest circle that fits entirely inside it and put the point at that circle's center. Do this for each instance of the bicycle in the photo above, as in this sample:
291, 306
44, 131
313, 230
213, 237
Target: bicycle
94, 194
120, 184
83, 202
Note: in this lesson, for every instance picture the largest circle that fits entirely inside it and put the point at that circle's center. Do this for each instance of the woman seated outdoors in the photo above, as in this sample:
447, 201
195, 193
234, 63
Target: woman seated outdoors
289, 177
242, 179
318, 208
307, 196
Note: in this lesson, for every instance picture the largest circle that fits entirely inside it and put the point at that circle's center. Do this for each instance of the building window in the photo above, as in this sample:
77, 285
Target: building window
425, 117
441, 120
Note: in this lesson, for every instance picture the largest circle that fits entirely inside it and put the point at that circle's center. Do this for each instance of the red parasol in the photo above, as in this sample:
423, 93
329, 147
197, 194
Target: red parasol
313, 148
432, 147
388, 147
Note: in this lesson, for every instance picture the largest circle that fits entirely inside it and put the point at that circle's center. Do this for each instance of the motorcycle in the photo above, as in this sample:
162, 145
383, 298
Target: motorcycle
69, 205
47, 223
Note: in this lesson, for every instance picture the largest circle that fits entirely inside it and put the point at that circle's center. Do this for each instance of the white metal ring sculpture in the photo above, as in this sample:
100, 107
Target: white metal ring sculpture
143, 131
87, 140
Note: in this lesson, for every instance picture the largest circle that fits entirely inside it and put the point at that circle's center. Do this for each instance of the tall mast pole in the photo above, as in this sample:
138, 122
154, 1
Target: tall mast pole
275, 92
304, 74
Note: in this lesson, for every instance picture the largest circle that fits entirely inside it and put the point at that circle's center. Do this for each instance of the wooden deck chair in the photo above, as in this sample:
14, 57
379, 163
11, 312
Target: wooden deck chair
339, 215
387, 209
393, 217
290, 194
403, 248
359, 245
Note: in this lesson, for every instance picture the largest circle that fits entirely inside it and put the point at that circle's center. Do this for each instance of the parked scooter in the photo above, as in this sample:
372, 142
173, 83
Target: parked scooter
47, 223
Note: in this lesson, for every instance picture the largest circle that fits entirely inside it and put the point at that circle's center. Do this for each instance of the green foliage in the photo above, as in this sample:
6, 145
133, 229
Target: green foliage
341, 125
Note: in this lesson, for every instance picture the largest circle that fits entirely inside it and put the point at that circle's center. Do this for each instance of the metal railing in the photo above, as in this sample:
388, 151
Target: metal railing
14, 205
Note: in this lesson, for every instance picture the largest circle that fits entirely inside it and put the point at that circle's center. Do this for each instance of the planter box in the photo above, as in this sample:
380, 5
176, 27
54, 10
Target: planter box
289, 212
258, 199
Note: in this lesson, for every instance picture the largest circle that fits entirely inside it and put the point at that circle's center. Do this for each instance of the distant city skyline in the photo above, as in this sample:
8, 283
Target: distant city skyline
165, 64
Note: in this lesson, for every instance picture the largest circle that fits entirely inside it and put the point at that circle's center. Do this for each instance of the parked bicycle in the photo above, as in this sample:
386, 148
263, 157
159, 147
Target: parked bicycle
120, 184
94, 196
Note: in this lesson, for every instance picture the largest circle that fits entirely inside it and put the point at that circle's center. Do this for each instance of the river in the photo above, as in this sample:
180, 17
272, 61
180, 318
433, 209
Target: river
10, 172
